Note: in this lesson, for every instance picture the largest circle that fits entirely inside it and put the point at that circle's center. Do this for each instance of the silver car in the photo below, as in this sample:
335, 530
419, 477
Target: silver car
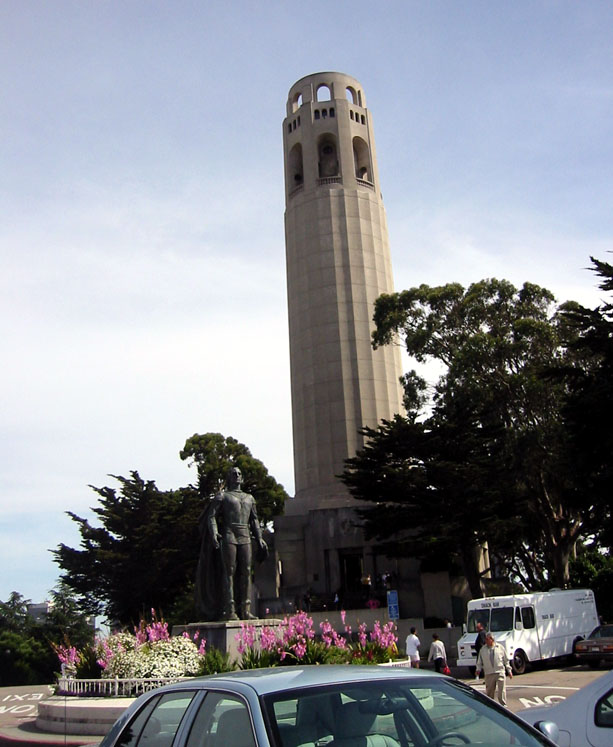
339, 706
585, 718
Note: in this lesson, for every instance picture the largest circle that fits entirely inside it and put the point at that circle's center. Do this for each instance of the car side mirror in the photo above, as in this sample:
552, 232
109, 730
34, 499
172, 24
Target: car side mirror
549, 729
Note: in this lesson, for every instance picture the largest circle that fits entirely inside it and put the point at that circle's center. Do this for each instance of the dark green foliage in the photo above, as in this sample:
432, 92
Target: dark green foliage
25, 659
436, 485
142, 555
14, 613
589, 409
213, 455
216, 661
26, 647
592, 569
66, 620
492, 459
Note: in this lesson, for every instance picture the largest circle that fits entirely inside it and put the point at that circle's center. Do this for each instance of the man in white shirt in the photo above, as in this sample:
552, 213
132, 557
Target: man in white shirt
412, 648
494, 664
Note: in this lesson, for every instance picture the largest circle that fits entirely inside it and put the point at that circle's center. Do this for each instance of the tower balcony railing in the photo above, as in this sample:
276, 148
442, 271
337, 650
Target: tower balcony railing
329, 180
365, 183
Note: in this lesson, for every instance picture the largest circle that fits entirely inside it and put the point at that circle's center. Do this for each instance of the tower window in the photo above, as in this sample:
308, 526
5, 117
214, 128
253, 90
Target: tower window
316, 113
289, 127
331, 111
297, 102
361, 159
294, 163
324, 113
351, 113
351, 95
328, 158
298, 120
363, 119
323, 93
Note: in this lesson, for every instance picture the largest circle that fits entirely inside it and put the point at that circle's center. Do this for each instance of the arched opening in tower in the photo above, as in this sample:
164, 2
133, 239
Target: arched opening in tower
328, 156
361, 160
295, 166
323, 93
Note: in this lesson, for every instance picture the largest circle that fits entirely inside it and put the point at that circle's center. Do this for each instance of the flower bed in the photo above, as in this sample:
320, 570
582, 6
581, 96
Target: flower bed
152, 655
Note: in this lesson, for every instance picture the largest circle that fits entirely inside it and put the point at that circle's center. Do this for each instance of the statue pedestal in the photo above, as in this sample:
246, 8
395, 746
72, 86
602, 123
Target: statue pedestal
222, 635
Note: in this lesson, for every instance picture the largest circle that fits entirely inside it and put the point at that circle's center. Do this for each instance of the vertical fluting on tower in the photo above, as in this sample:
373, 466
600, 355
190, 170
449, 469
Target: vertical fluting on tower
338, 263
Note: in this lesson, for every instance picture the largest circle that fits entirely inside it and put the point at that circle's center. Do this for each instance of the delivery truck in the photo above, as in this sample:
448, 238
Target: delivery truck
531, 627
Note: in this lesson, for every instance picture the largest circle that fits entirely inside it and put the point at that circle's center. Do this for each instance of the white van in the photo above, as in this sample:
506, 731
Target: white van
531, 627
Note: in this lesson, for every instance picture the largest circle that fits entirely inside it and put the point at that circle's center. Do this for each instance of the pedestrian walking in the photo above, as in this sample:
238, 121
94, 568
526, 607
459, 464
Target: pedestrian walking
412, 648
437, 653
494, 664
480, 639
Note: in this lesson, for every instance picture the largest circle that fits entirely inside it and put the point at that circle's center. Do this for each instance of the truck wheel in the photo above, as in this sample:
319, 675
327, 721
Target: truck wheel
519, 664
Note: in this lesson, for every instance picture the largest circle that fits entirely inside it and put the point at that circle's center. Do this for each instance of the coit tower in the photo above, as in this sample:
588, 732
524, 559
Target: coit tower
338, 263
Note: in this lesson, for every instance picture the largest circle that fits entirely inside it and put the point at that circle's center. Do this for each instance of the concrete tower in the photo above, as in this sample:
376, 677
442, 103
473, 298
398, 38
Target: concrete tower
338, 263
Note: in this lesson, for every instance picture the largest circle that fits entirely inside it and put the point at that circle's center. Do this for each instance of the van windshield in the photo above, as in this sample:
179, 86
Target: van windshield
501, 619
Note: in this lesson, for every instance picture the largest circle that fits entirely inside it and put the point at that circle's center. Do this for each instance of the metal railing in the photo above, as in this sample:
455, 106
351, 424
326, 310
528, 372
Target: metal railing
113, 688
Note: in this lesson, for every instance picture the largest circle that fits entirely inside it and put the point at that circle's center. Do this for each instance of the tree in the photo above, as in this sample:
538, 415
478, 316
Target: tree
437, 481
26, 646
143, 555
66, 621
588, 411
14, 613
214, 454
494, 342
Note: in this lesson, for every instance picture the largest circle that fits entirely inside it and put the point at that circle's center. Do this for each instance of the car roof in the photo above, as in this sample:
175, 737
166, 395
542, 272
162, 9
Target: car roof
277, 679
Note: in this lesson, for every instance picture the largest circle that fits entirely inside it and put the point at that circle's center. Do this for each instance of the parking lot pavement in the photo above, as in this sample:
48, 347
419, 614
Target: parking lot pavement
544, 685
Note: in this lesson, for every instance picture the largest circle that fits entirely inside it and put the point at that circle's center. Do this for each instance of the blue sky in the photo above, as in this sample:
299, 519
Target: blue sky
143, 285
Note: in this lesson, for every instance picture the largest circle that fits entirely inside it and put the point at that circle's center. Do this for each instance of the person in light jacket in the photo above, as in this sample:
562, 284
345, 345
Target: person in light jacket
437, 653
494, 664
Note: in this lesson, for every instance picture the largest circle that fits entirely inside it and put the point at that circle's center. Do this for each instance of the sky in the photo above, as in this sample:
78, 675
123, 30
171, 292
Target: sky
143, 294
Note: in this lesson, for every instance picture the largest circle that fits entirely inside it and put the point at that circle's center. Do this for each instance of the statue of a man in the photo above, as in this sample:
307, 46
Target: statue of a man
227, 525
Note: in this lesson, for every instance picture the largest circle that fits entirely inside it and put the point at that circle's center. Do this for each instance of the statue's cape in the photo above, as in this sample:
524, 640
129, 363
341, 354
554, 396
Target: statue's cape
209, 575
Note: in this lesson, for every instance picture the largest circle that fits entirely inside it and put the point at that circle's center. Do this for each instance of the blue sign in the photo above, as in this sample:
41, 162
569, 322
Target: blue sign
393, 610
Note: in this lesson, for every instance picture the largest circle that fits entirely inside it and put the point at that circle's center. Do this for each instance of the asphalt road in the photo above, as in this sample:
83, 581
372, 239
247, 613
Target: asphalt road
542, 686
19, 704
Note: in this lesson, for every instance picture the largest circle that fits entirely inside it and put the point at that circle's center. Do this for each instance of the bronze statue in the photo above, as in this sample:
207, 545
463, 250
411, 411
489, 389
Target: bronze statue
224, 568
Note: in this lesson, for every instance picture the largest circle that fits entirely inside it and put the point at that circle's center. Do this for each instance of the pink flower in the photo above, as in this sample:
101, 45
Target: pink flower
362, 634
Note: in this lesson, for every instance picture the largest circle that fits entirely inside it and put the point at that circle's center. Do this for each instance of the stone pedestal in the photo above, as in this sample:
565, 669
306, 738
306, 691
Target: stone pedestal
222, 635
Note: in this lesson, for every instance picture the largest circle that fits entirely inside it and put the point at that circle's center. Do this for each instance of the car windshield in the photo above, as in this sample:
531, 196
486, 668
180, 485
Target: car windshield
602, 631
423, 711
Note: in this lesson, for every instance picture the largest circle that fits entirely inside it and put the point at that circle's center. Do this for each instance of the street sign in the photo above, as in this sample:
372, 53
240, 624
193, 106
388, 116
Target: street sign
393, 611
